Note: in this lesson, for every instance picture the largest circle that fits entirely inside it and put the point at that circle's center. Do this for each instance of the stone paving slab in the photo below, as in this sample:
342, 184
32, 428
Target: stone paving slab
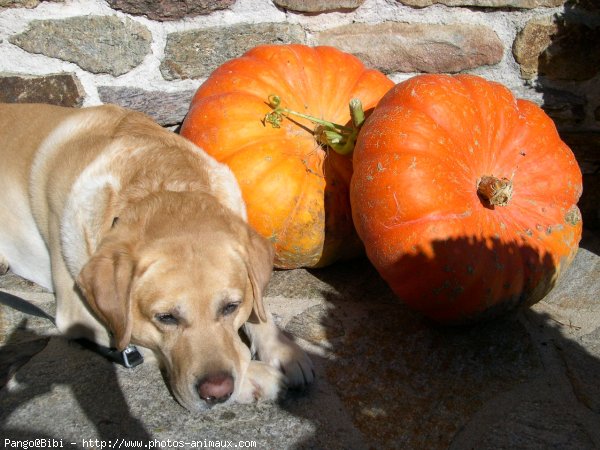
387, 378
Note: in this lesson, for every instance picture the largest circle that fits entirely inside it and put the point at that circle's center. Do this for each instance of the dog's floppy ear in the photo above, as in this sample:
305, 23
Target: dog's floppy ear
260, 267
105, 281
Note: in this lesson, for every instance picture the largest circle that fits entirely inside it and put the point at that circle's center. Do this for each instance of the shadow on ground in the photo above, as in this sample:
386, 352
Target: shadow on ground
91, 380
387, 377
525, 380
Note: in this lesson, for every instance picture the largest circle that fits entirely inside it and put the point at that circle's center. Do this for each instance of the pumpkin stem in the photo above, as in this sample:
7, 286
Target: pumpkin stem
496, 191
338, 137
357, 113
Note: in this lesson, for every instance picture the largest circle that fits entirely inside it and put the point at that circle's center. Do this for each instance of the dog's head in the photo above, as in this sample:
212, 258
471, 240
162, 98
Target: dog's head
180, 274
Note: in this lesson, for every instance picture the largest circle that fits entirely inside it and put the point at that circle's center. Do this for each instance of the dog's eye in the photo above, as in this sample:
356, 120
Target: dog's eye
167, 319
230, 308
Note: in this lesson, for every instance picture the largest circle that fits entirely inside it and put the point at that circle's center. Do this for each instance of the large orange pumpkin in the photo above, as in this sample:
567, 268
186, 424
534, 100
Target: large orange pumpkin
295, 187
464, 197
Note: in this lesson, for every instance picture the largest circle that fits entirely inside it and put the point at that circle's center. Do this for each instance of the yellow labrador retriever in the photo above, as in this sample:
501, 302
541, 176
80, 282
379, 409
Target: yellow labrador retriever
142, 237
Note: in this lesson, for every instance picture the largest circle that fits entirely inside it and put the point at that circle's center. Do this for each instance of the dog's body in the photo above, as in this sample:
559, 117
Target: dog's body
141, 234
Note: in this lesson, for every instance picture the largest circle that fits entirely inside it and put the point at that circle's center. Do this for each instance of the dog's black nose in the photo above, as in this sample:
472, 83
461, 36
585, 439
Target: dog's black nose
216, 388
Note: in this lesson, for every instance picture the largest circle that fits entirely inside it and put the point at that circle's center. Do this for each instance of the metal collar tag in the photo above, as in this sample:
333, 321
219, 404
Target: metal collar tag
131, 357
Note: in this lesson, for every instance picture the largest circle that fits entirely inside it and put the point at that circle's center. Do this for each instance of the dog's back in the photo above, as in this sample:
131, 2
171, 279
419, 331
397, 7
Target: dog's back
31, 137
60, 164
22, 129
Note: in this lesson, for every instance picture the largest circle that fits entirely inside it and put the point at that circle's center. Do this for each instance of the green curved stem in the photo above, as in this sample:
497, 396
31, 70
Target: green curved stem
338, 137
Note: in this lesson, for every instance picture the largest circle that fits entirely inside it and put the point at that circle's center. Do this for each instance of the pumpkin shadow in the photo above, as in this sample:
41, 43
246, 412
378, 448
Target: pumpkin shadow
402, 381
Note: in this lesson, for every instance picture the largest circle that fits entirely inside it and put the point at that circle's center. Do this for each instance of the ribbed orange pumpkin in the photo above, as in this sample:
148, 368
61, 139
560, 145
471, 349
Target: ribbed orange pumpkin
464, 197
295, 187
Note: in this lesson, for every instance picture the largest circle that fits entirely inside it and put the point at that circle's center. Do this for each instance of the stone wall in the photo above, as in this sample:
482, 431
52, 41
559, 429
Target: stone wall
151, 56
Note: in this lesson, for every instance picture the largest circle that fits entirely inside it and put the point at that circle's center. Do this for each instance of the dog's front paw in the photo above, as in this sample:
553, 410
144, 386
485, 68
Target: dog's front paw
284, 354
261, 382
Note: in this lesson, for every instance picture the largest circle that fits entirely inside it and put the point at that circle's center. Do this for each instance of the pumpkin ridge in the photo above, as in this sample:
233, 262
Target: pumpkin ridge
297, 94
343, 94
294, 93
211, 97
429, 218
257, 175
316, 95
251, 144
533, 234
386, 115
457, 93
267, 79
343, 110
447, 135
496, 114
298, 206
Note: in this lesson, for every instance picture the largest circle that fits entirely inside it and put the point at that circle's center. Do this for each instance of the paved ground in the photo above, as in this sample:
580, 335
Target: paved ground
386, 377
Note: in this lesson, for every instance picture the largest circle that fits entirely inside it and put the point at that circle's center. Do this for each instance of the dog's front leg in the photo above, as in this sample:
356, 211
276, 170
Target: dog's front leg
274, 348
73, 318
